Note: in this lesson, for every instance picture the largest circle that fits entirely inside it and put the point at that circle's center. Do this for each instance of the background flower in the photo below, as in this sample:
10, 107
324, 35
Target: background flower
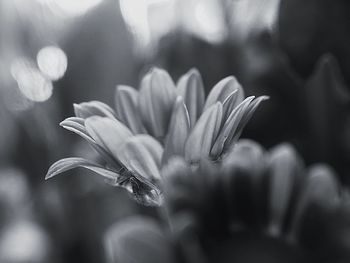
268, 203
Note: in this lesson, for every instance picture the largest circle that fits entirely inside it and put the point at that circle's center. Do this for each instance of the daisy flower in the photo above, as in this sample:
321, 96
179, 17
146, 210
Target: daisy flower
155, 123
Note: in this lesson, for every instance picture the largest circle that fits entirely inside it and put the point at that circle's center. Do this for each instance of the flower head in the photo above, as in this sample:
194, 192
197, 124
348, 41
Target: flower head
255, 206
159, 121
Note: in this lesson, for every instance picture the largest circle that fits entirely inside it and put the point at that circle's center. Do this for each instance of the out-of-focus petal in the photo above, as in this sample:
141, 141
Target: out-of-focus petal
285, 167
244, 154
126, 102
138, 240
203, 134
190, 87
321, 190
66, 164
179, 129
109, 133
85, 110
156, 100
175, 165
242, 183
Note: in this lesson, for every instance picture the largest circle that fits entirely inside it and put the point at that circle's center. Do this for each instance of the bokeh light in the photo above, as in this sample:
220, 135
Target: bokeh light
135, 14
24, 242
14, 188
209, 23
52, 61
31, 82
150, 20
251, 16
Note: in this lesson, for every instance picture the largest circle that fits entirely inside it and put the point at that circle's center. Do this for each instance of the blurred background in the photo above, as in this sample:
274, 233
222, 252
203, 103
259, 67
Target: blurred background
54, 53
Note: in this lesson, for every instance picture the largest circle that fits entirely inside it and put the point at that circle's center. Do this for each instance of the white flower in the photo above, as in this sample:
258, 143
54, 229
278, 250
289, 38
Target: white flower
157, 122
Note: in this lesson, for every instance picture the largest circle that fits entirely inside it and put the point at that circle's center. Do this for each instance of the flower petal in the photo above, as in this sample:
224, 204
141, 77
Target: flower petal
85, 110
126, 99
156, 100
242, 178
248, 114
66, 164
77, 125
204, 133
152, 145
222, 90
321, 190
228, 131
284, 166
108, 133
138, 240
179, 129
229, 104
138, 160
190, 87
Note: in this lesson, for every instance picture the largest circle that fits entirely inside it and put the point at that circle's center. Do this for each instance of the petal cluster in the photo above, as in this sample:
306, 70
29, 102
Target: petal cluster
267, 202
153, 124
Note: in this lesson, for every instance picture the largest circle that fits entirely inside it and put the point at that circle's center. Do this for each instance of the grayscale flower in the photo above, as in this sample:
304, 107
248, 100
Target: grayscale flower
255, 206
157, 122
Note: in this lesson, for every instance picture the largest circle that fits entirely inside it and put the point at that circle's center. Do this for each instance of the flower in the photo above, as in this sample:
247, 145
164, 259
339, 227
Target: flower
158, 122
255, 206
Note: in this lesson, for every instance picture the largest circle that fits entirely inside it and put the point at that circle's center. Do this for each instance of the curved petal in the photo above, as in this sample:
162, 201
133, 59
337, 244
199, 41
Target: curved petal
284, 166
204, 133
229, 104
126, 99
138, 159
321, 190
248, 114
108, 133
77, 125
242, 183
156, 100
93, 108
222, 90
179, 129
66, 164
152, 145
190, 87
228, 131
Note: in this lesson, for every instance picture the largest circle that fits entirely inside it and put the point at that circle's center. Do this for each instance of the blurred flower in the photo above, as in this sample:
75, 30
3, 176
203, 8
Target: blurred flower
159, 121
308, 29
326, 95
255, 206
144, 236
